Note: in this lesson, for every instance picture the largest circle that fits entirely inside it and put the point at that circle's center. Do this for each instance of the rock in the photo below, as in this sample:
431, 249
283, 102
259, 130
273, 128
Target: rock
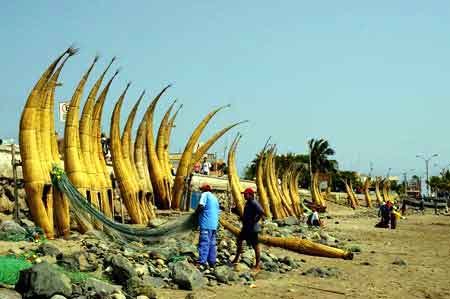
354, 248
265, 257
325, 236
77, 261
136, 286
399, 262
15, 251
289, 260
186, 276
163, 253
48, 249
225, 274
190, 296
121, 269
240, 267
141, 270
27, 223
246, 276
324, 272
270, 227
11, 227
58, 297
6, 206
9, 294
291, 220
270, 266
118, 296
142, 297
92, 284
156, 282
43, 280
248, 257
315, 236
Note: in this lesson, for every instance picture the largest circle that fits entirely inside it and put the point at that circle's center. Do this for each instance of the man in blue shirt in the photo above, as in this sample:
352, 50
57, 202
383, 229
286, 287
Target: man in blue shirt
208, 212
250, 226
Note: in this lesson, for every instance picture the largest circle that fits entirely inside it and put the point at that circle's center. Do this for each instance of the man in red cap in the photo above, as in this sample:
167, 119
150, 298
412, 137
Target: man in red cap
250, 227
208, 211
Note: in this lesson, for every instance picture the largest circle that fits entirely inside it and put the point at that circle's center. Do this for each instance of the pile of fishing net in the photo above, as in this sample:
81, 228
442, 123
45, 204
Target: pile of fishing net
121, 233
10, 266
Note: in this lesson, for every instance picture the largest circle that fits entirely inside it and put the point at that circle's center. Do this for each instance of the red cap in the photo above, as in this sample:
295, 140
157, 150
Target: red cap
248, 191
206, 187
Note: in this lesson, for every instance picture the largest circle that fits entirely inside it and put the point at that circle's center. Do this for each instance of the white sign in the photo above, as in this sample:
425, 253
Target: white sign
63, 109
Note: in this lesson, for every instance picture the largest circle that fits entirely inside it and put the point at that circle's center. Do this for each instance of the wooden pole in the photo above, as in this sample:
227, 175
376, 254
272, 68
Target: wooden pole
14, 165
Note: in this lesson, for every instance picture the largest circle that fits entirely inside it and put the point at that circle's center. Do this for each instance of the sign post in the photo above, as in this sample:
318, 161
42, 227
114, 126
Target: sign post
63, 109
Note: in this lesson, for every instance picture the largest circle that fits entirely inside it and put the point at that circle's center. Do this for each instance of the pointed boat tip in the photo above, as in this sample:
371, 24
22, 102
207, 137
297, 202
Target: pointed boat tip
72, 50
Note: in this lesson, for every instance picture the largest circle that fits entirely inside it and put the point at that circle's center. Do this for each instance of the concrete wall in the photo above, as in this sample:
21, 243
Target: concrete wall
5, 161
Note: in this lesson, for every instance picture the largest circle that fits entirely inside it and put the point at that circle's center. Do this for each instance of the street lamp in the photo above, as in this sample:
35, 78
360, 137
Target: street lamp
427, 161
388, 173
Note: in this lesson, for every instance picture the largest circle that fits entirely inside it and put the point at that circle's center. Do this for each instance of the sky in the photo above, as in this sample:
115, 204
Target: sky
372, 77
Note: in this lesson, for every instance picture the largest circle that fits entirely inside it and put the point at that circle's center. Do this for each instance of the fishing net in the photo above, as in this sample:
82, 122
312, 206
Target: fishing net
10, 266
122, 233
34, 234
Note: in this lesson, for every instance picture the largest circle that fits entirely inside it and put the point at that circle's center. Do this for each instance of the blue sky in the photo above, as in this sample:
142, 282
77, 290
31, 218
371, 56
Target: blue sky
373, 78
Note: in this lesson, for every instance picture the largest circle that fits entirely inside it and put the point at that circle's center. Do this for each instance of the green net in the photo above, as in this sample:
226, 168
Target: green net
31, 234
122, 233
10, 266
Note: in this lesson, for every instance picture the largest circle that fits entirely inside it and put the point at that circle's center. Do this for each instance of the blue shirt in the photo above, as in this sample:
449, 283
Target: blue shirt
209, 216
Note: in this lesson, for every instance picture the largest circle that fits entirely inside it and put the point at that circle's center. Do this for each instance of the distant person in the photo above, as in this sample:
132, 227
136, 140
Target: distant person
208, 212
394, 216
104, 142
403, 209
250, 227
206, 166
197, 167
385, 213
313, 218
422, 205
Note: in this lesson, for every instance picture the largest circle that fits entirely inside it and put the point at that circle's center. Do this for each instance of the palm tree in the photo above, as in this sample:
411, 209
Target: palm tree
319, 153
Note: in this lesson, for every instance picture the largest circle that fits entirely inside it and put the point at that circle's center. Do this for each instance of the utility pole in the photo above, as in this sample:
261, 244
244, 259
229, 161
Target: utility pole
427, 162
371, 169
15, 164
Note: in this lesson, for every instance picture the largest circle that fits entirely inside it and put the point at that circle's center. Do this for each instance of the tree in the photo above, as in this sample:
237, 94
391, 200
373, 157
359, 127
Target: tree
283, 162
320, 152
349, 176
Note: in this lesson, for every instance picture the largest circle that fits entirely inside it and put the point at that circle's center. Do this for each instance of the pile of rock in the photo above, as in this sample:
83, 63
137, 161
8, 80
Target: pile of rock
111, 270
7, 197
